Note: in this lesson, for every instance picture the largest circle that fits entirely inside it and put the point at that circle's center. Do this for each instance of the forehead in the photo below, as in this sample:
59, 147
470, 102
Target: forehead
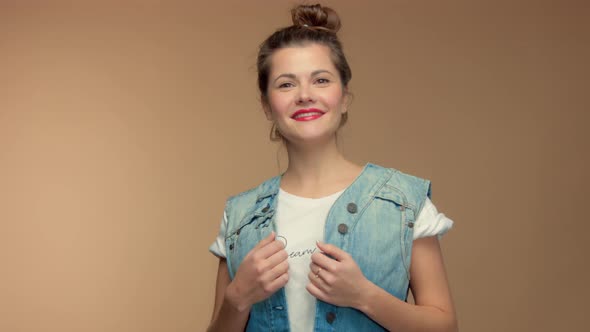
301, 60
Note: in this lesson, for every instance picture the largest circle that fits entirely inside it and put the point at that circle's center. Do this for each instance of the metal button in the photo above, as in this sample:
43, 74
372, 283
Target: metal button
266, 208
411, 224
231, 246
330, 317
279, 307
238, 232
342, 228
351, 207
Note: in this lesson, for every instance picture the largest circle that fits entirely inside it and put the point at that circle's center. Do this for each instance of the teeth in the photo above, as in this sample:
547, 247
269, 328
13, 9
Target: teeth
301, 115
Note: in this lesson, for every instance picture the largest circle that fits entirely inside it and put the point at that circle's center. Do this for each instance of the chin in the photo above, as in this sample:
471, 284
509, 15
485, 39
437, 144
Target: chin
312, 138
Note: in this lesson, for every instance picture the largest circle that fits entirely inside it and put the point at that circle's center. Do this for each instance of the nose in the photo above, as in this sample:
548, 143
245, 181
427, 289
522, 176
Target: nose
305, 94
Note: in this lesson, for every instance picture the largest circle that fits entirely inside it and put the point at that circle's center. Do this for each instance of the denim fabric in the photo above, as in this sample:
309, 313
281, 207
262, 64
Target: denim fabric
372, 220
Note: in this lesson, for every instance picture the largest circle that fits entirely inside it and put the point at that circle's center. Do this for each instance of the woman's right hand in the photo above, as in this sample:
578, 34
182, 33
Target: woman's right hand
262, 272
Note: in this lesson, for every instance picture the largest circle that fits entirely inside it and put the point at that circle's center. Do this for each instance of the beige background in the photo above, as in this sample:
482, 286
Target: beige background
124, 126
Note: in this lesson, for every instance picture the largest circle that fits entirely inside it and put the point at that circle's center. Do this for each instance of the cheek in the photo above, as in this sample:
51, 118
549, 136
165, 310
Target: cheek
335, 100
279, 104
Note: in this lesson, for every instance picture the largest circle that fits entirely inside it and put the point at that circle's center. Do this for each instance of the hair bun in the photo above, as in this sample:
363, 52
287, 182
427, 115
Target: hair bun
316, 16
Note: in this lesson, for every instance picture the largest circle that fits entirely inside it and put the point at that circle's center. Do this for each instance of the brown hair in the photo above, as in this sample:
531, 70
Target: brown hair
311, 24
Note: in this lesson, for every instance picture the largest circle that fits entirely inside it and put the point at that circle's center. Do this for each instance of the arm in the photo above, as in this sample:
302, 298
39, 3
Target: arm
262, 272
433, 310
341, 282
226, 316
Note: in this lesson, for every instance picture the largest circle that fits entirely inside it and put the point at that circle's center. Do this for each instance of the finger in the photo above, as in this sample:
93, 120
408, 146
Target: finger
316, 292
335, 252
265, 241
319, 271
318, 281
324, 261
276, 272
277, 258
314, 268
277, 283
316, 278
270, 249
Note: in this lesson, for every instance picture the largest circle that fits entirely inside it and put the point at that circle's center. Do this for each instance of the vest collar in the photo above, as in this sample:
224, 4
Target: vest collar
271, 187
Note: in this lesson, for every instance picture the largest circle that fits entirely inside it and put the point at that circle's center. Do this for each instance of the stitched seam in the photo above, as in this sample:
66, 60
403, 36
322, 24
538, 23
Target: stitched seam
378, 187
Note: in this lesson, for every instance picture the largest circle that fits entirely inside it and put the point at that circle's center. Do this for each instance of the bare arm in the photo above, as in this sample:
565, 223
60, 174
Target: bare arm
226, 317
433, 311
342, 283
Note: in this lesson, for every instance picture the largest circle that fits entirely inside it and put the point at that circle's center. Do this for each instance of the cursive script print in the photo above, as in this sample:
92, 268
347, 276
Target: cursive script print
301, 253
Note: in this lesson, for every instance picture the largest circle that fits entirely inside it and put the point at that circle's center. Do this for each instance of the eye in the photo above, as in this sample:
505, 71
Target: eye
286, 85
322, 81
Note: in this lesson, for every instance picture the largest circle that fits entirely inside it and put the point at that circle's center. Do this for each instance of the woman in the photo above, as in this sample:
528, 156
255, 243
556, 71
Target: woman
326, 246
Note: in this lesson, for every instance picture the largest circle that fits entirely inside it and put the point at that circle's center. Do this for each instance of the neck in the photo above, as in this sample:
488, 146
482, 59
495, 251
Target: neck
316, 170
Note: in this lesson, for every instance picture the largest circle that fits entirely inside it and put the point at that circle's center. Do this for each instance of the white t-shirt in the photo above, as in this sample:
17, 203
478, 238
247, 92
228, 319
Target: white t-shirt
300, 223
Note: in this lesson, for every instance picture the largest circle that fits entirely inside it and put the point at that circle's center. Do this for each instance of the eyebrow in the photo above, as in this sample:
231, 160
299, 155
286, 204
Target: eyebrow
313, 73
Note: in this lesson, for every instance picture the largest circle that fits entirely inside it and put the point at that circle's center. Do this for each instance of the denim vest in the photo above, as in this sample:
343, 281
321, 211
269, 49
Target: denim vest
372, 220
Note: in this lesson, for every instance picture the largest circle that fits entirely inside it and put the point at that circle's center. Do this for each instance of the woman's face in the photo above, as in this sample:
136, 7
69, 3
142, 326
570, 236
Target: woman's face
305, 96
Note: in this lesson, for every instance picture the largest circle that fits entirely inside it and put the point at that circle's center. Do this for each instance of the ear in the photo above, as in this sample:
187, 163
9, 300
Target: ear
346, 100
267, 110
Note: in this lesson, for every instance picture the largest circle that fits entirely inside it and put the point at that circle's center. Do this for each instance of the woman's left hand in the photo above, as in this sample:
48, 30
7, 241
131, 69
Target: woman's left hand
336, 279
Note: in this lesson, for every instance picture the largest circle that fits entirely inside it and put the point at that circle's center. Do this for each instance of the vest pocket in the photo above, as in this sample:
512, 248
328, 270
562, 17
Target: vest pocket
406, 219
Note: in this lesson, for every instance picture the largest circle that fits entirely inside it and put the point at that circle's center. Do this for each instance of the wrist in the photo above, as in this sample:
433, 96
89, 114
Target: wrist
367, 292
233, 298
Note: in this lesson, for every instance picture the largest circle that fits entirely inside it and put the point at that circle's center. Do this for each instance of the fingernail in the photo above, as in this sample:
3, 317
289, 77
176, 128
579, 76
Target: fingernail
283, 240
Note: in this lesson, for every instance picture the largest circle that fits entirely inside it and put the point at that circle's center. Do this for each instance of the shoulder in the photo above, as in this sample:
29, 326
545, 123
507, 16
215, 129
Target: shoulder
417, 185
245, 200
415, 189
399, 178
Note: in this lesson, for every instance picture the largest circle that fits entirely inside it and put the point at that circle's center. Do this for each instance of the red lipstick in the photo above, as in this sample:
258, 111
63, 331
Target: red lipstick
307, 114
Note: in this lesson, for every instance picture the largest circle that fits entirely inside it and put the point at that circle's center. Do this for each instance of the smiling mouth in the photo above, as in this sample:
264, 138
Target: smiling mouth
307, 115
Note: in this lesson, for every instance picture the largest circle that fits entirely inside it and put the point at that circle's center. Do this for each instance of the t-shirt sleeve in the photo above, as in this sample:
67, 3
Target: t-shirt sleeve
430, 222
217, 248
